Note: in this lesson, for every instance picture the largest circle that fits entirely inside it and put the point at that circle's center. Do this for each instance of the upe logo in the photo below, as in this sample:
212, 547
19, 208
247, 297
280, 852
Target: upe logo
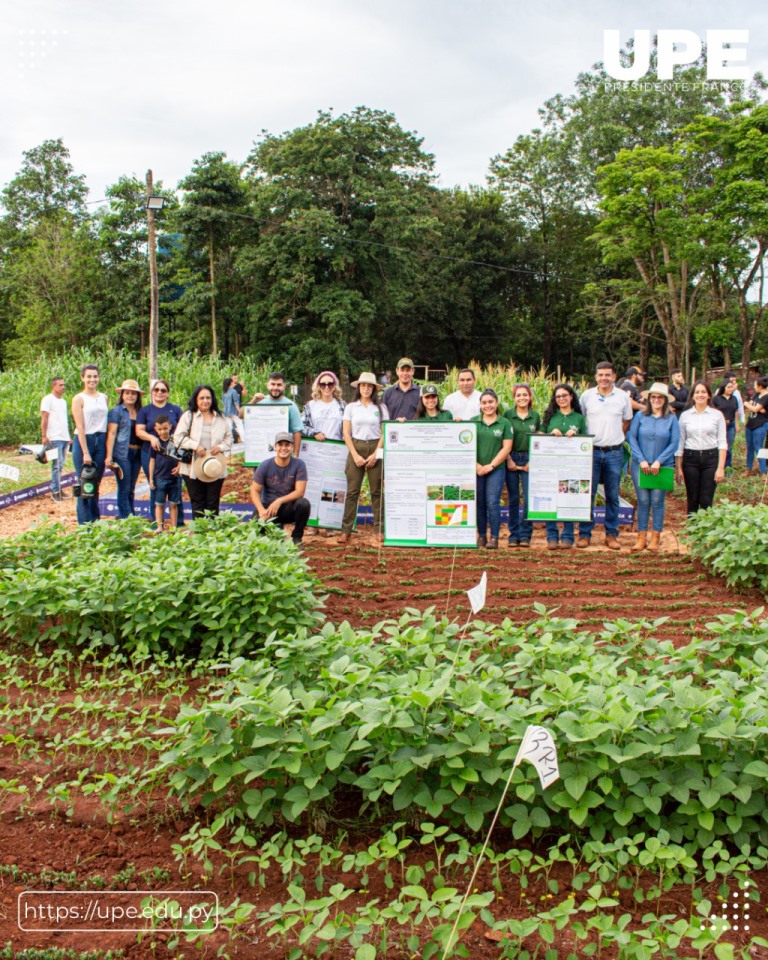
676, 48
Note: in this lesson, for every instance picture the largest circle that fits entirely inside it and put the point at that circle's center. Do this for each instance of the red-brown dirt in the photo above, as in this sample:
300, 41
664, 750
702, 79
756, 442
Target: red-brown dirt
365, 583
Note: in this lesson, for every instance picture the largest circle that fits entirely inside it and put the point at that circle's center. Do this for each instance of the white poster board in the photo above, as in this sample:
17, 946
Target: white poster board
430, 484
326, 481
260, 425
560, 478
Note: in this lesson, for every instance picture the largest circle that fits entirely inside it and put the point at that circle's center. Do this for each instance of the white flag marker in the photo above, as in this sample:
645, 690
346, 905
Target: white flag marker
539, 748
477, 594
9, 473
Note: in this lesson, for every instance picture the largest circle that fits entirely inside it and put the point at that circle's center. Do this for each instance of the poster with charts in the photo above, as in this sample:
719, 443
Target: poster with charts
560, 478
430, 484
326, 481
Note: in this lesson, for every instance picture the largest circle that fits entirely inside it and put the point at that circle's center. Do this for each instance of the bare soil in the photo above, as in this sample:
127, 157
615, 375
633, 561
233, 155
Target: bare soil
365, 583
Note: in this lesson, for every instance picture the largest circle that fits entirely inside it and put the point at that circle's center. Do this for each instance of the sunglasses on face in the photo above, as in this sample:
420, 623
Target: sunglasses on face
159, 390
328, 383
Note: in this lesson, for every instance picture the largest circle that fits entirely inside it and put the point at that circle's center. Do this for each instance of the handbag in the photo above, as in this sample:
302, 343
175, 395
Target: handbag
180, 454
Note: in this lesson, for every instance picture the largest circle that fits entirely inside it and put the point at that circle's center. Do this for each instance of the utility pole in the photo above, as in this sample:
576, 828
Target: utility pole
154, 287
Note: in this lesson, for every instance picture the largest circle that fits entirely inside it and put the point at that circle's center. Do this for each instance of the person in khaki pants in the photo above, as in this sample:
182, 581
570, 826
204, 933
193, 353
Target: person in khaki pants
363, 437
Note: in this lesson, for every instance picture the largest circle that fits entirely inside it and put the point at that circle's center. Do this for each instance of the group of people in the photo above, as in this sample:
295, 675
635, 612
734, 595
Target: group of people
672, 434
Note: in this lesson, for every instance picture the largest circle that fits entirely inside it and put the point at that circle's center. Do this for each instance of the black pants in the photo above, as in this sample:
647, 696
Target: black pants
295, 512
699, 468
203, 496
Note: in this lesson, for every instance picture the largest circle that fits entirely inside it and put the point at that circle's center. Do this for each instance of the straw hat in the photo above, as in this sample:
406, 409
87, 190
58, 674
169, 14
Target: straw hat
660, 388
365, 378
213, 466
129, 385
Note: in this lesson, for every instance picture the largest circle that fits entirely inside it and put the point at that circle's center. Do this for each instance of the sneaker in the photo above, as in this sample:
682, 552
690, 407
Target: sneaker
513, 544
524, 543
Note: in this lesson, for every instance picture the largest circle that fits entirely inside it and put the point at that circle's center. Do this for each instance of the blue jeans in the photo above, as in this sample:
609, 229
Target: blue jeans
606, 469
145, 467
755, 441
553, 535
130, 465
88, 509
730, 433
489, 489
648, 501
517, 480
57, 466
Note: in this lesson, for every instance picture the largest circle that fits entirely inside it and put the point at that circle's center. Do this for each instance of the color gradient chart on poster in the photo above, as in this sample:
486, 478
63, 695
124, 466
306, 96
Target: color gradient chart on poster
430, 484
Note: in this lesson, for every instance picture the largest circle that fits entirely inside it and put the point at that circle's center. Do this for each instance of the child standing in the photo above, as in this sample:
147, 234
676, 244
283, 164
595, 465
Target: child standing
164, 477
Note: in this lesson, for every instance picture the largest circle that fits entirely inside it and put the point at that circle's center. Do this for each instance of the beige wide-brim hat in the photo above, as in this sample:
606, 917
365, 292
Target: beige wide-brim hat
129, 385
660, 388
213, 466
366, 377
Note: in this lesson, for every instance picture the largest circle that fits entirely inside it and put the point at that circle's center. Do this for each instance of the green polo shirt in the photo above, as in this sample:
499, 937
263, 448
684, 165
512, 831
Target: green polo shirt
490, 437
442, 415
567, 421
522, 429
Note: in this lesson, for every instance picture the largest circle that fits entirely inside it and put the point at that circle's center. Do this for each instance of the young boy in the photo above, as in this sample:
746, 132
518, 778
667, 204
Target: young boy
164, 476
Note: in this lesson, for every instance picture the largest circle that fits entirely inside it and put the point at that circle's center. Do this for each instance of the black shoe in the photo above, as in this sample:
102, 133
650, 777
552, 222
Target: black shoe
58, 497
299, 544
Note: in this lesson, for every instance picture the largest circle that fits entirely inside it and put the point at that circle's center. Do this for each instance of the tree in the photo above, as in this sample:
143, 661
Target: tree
214, 191
45, 186
343, 205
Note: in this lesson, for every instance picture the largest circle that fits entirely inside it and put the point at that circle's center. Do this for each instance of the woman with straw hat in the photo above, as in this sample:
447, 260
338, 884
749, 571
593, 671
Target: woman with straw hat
123, 445
363, 437
653, 437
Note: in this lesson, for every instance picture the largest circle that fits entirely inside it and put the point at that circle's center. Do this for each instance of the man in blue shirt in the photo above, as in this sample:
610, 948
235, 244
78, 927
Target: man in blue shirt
278, 488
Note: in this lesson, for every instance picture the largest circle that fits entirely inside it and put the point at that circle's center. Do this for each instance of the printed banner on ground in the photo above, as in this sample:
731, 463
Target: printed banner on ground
560, 478
326, 481
429, 471
260, 425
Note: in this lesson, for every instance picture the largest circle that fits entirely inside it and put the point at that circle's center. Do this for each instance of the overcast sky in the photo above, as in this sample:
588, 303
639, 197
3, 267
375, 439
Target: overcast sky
130, 84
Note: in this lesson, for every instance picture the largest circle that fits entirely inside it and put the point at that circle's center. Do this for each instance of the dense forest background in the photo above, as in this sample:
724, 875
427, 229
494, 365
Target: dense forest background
631, 224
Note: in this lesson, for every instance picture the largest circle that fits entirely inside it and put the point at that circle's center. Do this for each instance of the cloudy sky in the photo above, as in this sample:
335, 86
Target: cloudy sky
130, 84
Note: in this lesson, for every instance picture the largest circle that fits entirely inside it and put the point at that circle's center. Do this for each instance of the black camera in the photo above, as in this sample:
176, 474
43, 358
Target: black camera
178, 453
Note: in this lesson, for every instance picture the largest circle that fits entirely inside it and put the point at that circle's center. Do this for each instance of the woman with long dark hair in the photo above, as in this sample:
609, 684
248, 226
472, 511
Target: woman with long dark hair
703, 447
563, 418
525, 421
494, 445
206, 431
728, 405
89, 411
429, 406
124, 446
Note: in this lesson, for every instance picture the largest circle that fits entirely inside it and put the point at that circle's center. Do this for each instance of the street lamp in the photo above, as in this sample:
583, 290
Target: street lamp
153, 203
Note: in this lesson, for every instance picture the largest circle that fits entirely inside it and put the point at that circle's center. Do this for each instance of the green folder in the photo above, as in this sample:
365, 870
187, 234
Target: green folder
664, 479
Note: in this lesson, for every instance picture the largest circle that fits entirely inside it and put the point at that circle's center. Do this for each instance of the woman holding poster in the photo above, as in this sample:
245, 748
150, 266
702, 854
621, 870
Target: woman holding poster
563, 418
322, 416
653, 439
525, 421
494, 445
363, 437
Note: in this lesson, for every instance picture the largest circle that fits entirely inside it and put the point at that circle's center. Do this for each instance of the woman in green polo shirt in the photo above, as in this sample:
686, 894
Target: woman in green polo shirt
494, 444
429, 406
525, 421
563, 418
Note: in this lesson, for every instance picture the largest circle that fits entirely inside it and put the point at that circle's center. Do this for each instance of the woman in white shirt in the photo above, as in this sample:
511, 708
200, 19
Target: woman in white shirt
700, 457
363, 437
89, 411
322, 415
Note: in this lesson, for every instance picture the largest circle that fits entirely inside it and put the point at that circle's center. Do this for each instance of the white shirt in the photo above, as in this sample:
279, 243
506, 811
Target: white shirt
365, 420
58, 425
326, 418
95, 410
463, 408
605, 415
702, 431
